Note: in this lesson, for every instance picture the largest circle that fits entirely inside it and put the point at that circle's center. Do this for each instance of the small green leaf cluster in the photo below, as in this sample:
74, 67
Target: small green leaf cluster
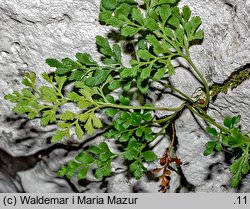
129, 125
133, 153
88, 71
87, 120
46, 102
165, 33
97, 157
240, 167
85, 68
132, 130
231, 138
33, 101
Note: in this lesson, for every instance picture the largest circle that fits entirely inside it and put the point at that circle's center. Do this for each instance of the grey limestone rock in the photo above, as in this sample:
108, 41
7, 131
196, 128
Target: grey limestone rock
33, 30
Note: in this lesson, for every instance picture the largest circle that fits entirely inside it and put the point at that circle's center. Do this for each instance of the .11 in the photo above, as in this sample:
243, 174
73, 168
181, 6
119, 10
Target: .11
241, 200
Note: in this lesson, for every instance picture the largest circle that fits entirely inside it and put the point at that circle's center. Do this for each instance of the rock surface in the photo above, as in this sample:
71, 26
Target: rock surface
33, 30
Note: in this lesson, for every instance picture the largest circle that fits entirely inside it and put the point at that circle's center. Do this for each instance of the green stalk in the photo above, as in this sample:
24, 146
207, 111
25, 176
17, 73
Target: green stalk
161, 131
203, 112
200, 76
169, 117
179, 92
222, 128
104, 105
169, 41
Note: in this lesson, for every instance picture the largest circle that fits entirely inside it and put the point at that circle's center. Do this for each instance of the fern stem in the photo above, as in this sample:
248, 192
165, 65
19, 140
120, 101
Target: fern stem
179, 92
205, 118
104, 105
189, 60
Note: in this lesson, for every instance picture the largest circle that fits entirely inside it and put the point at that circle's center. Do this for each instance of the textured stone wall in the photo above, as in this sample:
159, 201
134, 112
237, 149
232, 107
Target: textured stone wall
33, 30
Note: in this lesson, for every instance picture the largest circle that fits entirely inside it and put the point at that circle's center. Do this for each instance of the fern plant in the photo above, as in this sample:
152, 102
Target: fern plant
103, 91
